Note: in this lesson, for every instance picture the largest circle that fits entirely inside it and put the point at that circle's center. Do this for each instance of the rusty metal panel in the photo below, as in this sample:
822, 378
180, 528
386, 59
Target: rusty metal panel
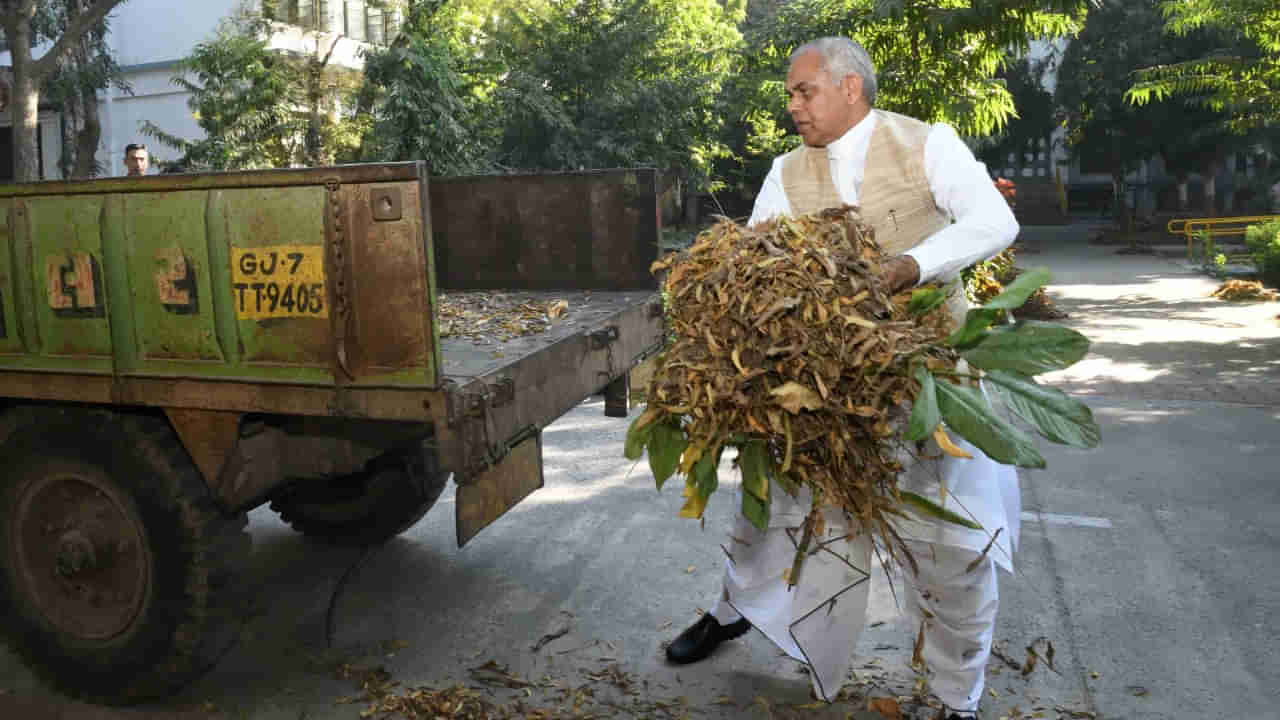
389, 286
209, 436
485, 497
358, 173
10, 339
171, 289
588, 230
494, 400
279, 289
61, 239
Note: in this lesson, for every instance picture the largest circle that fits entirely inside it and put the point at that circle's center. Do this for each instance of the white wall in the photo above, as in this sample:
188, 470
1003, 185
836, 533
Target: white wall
149, 31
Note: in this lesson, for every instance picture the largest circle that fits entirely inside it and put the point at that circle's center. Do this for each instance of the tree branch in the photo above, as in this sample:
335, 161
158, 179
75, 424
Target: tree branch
80, 25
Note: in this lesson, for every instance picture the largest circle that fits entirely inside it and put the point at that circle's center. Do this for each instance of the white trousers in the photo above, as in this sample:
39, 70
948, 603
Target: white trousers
819, 620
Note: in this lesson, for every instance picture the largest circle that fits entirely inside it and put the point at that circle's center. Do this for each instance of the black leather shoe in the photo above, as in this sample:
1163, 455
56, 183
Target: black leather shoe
702, 637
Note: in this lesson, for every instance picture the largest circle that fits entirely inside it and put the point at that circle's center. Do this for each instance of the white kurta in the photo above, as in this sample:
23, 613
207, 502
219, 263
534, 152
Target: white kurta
804, 621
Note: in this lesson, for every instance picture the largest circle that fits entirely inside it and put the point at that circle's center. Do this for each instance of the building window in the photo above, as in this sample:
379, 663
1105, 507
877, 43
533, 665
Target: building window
361, 20
353, 13
307, 13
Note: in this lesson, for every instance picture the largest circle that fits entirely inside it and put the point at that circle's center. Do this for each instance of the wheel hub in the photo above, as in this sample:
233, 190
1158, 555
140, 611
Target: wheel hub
76, 553
81, 551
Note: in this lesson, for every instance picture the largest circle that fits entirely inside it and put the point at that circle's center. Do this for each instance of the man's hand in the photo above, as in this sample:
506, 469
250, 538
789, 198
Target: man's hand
900, 272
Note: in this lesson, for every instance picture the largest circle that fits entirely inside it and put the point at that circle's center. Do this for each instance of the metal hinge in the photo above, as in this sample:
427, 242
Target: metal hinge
601, 338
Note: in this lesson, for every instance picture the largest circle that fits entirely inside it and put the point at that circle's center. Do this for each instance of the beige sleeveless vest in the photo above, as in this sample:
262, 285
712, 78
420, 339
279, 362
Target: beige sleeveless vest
894, 198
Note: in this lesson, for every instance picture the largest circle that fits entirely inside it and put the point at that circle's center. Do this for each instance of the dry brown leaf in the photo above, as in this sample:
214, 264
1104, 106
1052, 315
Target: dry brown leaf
794, 397
1244, 290
557, 308
888, 707
944, 441
917, 653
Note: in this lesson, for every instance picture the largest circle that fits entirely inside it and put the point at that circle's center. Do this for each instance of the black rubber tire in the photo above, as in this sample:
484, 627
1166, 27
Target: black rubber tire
390, 496
191, 613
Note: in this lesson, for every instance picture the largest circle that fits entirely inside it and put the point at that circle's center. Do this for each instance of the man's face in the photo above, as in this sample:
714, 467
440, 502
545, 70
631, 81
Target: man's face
822, 110
136, 161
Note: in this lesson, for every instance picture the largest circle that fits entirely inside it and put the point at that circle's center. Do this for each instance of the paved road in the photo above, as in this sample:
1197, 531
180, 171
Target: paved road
1149, 562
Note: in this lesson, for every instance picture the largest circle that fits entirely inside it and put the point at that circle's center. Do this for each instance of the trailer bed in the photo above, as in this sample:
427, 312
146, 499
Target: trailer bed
494, 345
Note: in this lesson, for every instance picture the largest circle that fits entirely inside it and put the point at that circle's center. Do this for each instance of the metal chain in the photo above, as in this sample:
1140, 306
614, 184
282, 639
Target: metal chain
338, 252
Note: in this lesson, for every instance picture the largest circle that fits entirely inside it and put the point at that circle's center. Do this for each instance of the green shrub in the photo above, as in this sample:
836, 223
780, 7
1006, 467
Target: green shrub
1264, 242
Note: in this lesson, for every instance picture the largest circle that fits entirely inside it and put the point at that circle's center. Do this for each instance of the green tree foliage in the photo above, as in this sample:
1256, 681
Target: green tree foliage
261, 105
1105, 129
414, 102
601, 83
240, 97
1033, 126
1241, 77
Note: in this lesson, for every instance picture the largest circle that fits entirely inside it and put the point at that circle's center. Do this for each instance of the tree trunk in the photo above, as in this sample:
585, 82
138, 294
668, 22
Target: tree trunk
67, 134
1210, 194
88, 137
24, 112
313, 147
1182, 193
1123, 217
29, 73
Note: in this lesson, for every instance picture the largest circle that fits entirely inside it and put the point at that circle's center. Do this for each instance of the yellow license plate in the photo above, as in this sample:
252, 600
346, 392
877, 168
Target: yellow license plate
279, 281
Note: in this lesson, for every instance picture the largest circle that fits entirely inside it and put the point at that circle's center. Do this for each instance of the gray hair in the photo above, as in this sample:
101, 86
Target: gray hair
842, 57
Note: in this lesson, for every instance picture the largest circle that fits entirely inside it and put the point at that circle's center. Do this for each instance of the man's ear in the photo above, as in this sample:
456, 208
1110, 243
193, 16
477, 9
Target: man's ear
852, 86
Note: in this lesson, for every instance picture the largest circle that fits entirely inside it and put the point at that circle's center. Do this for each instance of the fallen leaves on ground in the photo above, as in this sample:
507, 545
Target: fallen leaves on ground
1244, 291
500, 694
888, 707
488, 316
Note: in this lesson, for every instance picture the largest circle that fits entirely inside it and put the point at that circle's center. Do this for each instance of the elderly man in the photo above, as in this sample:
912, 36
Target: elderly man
934, 208
136, 159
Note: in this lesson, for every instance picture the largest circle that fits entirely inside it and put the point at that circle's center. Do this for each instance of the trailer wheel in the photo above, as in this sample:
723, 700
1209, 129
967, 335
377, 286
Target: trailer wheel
116, 568
390, 496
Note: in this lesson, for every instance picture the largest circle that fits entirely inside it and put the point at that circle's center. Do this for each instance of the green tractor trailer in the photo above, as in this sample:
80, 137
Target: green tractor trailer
177, 350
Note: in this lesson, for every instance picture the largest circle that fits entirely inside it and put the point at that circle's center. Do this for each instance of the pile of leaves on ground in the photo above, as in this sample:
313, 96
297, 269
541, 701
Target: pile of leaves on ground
496, 693
787, 347
1244, 291
985, 280
487, 316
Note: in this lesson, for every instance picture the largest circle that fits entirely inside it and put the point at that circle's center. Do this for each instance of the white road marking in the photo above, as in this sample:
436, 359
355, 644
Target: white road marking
1069, 520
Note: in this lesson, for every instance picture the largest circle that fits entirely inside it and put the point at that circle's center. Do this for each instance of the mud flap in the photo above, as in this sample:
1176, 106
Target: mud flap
488, 495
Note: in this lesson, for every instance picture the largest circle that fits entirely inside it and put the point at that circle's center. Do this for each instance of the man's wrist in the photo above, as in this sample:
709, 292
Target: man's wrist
904, 272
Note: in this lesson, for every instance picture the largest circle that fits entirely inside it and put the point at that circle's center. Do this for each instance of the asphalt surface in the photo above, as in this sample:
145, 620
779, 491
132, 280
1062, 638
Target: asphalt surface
1149, 563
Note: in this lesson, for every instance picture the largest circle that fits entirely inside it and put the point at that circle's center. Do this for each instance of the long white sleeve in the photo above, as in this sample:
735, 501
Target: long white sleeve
984, 225
771, 201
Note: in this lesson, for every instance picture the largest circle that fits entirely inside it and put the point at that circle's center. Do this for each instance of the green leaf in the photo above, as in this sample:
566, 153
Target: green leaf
757, 469
1029, 348
924, 414
638, 434
1054, 414
666, 444
924, 300
756, 511
976, 322
967, 412
932, 509
1017, 292
703, 472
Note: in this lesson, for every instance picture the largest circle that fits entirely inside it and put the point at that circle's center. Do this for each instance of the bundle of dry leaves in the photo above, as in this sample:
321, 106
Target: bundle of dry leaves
785, 317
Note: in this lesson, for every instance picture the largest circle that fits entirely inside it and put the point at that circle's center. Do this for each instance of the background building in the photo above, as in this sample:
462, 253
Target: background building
149, 37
